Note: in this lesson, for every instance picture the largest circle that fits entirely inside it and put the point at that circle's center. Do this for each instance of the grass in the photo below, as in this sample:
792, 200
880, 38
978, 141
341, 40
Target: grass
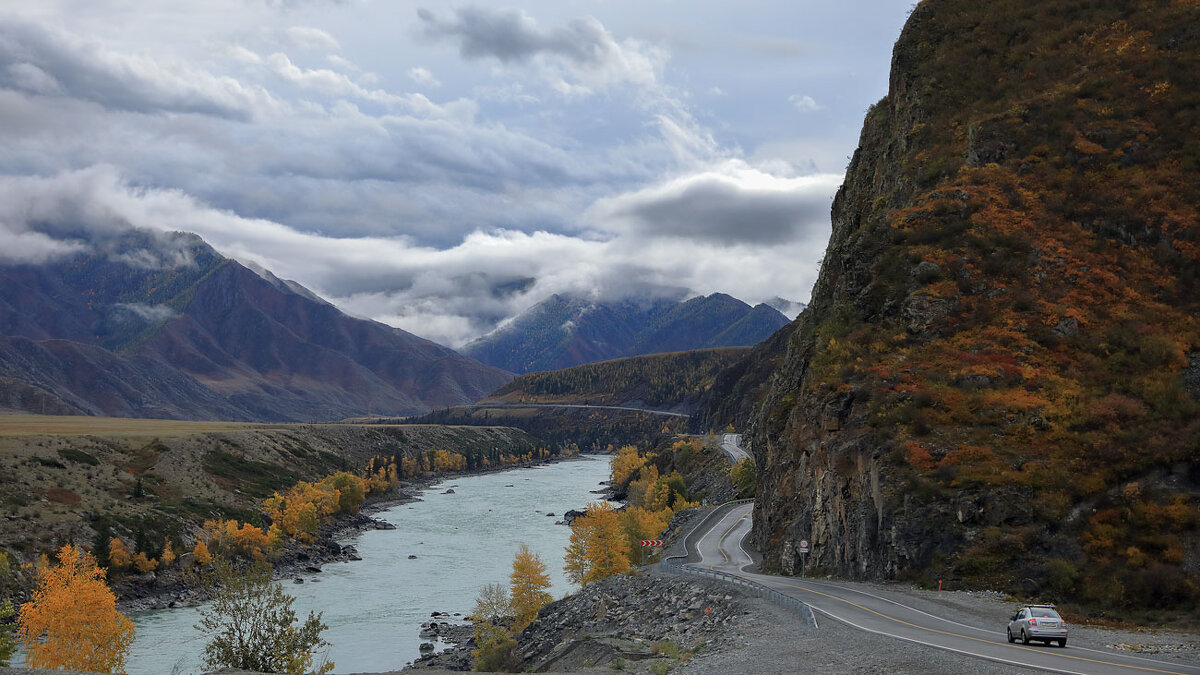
72, 425
256, 478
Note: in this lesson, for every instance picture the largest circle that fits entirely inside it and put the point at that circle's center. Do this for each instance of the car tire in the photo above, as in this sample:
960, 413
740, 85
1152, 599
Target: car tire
1008, 632
1062, 643
1025, 637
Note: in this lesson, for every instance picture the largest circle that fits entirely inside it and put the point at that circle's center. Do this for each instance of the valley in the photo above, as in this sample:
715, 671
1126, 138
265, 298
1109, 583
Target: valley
214, 365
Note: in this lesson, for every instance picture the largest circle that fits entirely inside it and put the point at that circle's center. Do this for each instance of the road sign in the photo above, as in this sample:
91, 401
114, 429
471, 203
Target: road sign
804, 546
652, 542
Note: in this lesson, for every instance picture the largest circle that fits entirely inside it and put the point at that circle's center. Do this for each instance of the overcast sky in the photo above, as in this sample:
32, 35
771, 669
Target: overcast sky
442, 166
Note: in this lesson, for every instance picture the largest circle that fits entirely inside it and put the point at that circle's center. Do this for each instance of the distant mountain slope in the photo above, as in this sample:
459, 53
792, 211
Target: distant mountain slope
675, 381
163, 326
562, 331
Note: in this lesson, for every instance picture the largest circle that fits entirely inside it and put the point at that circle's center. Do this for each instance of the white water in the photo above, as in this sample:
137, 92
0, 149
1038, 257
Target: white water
374, 607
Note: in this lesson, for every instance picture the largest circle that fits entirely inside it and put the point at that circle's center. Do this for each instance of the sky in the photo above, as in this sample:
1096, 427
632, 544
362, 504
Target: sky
442, 166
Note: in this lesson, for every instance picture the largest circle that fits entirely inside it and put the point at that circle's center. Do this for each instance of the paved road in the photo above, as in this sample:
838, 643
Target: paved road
732, 445
574, 405
721, 549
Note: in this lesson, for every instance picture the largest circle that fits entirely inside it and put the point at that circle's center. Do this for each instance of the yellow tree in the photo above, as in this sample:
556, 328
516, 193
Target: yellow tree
72, 621
598, 547
118, 555
638, 524
528, 583
200, 553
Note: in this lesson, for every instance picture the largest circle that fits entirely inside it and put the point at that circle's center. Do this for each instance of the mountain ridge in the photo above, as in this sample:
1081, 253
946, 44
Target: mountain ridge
224, 341
564, 331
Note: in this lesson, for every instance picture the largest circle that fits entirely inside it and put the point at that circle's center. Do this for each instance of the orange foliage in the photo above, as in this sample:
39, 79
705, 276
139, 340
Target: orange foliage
118, 555
598, 548
144, 563
72, 621
528, 583
200, 552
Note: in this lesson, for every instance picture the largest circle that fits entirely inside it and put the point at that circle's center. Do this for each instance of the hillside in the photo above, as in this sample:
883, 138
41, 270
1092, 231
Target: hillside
145, 479
564, 331
161, 325
997, 380
675, 381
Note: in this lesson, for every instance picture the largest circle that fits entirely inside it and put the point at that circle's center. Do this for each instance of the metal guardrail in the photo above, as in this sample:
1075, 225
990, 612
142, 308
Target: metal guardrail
759, 590
756, 588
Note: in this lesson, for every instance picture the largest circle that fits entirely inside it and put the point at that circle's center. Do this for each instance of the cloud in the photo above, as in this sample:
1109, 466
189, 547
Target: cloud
147, 313
307, 37
33, 247
40, 60
732, 203
449, 294
592, 56
804, 103
423, 76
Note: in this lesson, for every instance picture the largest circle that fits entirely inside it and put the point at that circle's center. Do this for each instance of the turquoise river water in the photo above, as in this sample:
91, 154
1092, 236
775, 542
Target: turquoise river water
374, 607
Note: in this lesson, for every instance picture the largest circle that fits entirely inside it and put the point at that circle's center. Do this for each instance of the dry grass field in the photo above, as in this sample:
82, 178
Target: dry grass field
21, 424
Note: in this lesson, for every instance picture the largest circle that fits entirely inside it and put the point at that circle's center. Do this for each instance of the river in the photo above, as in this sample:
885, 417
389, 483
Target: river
374, 607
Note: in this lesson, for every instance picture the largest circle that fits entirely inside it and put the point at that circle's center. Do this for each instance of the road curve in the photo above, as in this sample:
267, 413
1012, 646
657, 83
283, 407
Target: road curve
721, 549
732, 445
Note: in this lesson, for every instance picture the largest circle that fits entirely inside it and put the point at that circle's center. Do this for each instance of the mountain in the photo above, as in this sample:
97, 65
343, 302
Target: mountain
997, 382
564, 331
674, 381
161, 325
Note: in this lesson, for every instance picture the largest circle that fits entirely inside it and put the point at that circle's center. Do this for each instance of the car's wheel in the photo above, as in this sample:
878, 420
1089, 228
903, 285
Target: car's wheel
1025, 637
1008, 632
1062, 642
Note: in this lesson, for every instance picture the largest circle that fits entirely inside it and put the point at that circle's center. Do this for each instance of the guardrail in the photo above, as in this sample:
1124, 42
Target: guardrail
756, 588
759, 590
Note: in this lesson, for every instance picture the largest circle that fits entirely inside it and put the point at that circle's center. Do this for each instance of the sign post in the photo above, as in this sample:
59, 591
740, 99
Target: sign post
647, 543
803, 556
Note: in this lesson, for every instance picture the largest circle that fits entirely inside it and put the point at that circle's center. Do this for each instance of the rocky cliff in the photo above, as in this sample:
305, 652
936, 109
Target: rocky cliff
995, 382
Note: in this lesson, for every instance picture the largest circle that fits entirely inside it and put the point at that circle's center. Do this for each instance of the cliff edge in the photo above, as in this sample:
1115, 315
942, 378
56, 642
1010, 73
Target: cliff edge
997, 381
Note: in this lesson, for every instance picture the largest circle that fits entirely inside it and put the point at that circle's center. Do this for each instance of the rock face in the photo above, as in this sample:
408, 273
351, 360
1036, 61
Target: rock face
992, 380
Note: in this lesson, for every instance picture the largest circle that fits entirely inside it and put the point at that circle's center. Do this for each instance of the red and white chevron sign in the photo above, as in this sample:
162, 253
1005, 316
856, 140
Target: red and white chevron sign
652, 542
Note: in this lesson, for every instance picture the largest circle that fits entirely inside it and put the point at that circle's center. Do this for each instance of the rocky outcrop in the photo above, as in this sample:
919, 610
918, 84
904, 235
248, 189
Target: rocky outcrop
990, 330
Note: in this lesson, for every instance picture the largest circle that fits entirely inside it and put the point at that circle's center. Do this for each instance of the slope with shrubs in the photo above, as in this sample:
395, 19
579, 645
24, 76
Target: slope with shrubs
997, 381
674, 381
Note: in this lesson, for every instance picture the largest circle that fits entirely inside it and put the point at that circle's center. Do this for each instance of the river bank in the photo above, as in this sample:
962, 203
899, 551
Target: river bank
175, 588
460, 534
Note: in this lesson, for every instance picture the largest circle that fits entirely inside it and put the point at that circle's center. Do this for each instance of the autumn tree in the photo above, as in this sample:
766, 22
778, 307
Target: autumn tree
118, 554
253, 625
168, 554
72, 621
144, 563
200, 553
598, 548
625, 463
743, 477
529, 582
494, 651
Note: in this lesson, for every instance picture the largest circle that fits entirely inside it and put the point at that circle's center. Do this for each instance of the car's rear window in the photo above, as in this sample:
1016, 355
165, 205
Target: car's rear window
1042, 612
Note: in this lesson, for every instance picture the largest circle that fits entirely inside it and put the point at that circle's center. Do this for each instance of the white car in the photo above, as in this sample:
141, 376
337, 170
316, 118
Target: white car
1037, 622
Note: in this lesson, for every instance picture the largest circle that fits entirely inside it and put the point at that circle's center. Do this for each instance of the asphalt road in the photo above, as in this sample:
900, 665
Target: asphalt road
732, 445
721, 549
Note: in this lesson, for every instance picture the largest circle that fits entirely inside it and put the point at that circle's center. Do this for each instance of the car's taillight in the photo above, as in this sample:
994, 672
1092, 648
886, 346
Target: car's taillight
1032, 622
